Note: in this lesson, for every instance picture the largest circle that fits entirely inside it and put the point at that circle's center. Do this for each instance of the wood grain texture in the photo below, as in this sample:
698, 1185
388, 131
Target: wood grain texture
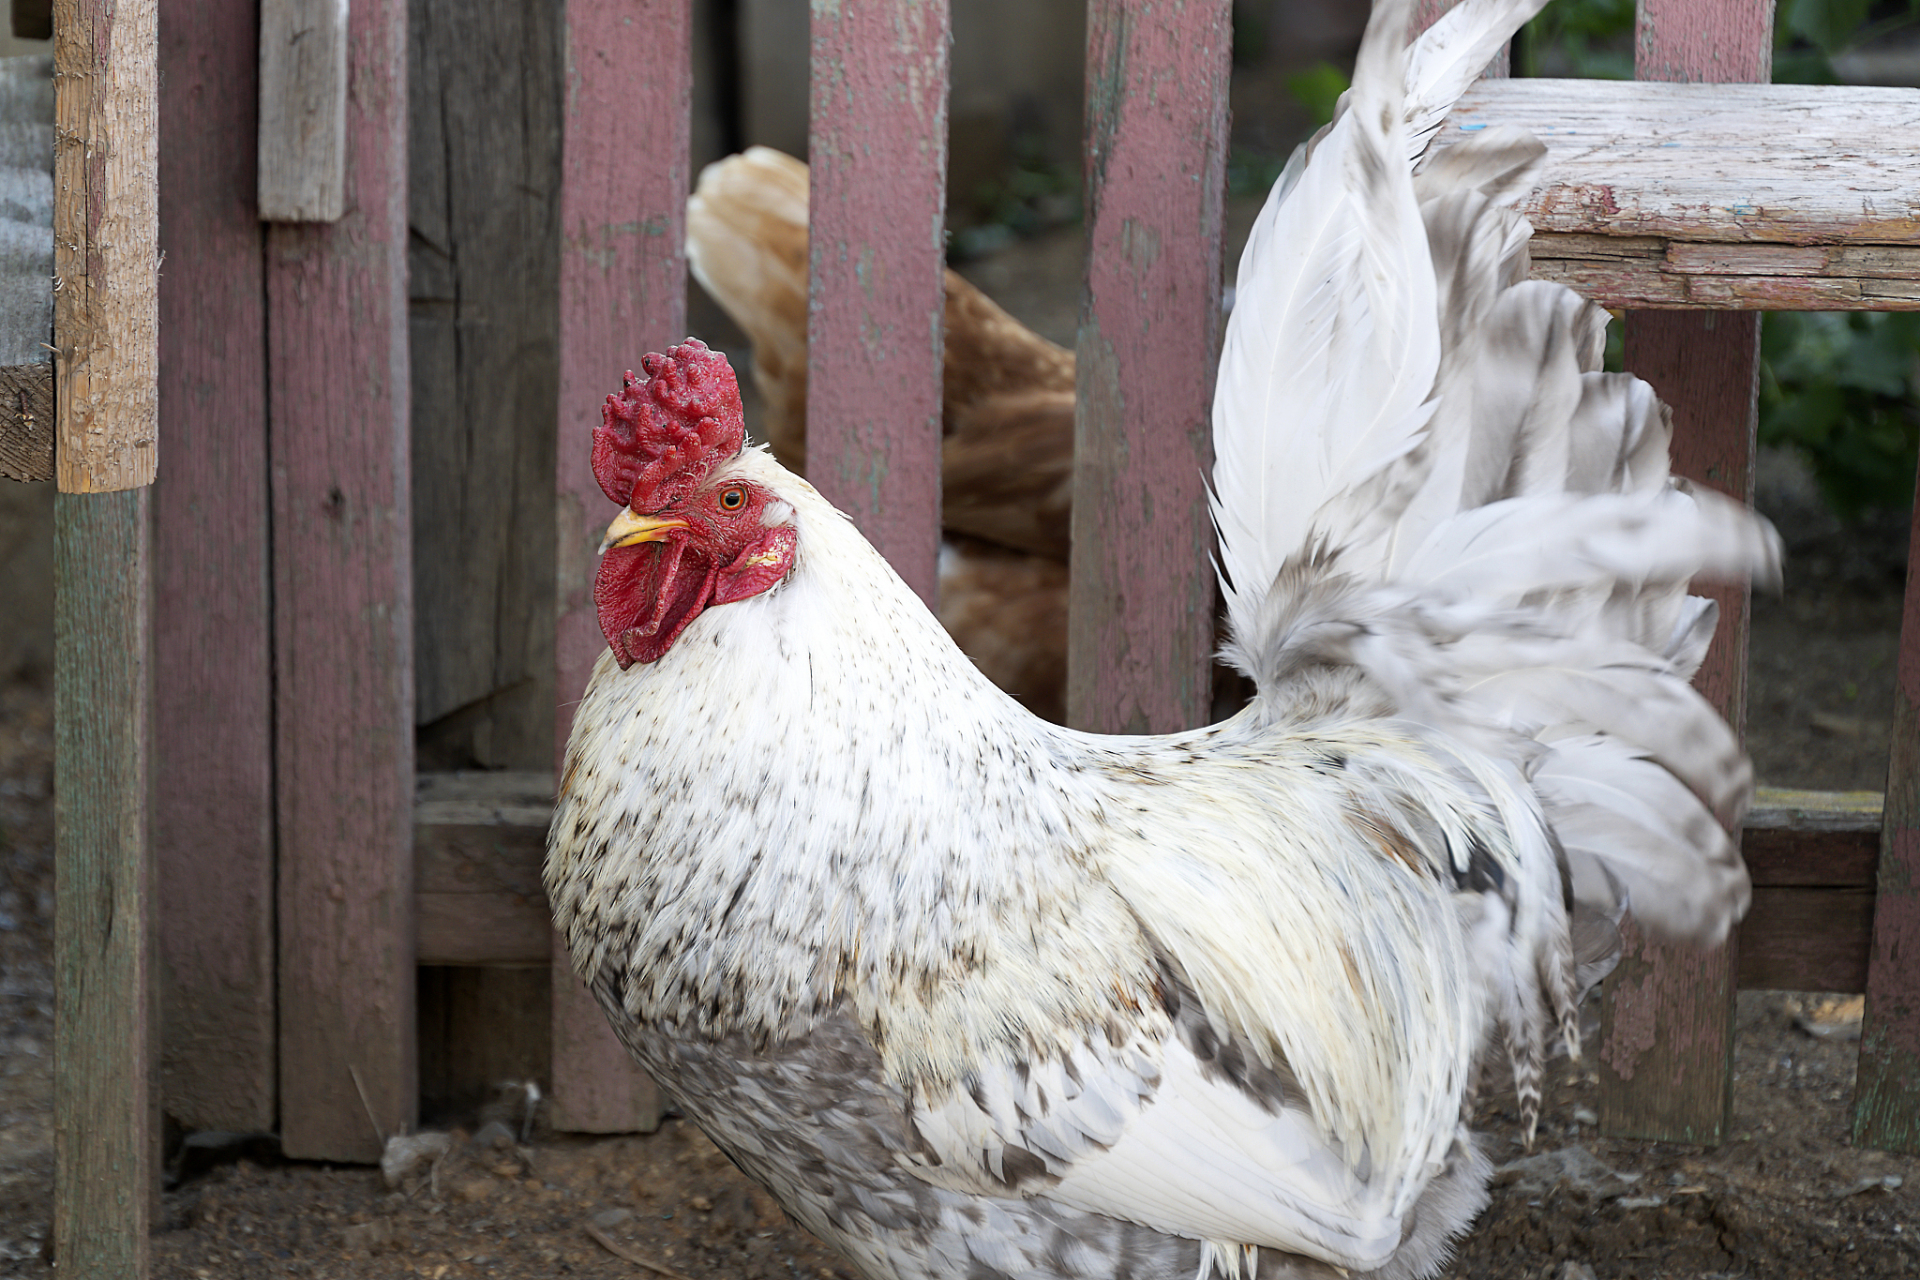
303, 110
26, 422
105, 1130
1886, 1100
480, 839
1666, 1058
1698, 41
105, 244
1806, 940
337, 352
1651, 271
484, 97
623, 281
1666, 1061
877, 147
1785, 164
213, 682
1141, 597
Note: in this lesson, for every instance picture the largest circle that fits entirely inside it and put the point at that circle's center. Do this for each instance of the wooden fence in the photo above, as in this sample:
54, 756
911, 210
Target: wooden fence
305, 871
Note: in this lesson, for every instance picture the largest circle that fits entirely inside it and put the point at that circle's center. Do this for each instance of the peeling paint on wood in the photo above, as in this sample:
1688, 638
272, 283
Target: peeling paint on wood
343, 630
1886, 1101
1141, 598
213, 683
1787, 164
623, 280
1622, 272
877, 151
1678, 1085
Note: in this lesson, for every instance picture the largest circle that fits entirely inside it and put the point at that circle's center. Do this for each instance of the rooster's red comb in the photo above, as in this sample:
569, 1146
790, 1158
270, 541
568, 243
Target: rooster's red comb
662, 434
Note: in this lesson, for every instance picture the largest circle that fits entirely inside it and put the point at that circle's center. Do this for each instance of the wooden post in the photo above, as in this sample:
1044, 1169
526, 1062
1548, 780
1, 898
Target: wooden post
1666, 1055
303, 110
1886, 1099
337, 360
623, 282
105, 257
212, 685
877, 151
1141, 599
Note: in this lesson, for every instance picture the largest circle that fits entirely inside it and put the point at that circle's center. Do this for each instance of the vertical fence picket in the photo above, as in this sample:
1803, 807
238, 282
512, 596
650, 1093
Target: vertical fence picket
343, 655
212, 684
1141, 596
1666, 1055
623, 271
106, 255
877, 148
1886, 1100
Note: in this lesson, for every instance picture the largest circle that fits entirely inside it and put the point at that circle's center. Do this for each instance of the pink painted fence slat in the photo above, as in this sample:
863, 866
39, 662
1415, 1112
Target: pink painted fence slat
337, 352
212, 686
877, 146
623, 274
1666, 1057
1886, 1100
1141, 596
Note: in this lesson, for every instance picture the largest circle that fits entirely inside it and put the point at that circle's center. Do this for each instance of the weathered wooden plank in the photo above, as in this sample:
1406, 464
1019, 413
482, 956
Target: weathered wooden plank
1666, 1062
1666, 1058
1651, 271
105, 245
1806, 940
480, 839
26, 422
26, 268
213, 683
877, 147
303, 110
337, 355
105, 1126
1141, 597
483, 111
623, 275
1886, 1100
1789, 164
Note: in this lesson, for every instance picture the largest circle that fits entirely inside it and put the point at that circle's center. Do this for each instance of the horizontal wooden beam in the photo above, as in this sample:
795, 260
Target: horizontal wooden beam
26, 422
1752, 197
1621, 272
480, 838
1781, 163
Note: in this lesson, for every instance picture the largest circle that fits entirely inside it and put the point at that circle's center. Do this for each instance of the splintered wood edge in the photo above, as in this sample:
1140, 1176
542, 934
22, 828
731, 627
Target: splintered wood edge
26, 422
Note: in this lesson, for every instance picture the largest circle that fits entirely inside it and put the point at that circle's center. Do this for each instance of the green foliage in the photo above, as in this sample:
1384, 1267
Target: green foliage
1318, 89
1841, 387
1584, 39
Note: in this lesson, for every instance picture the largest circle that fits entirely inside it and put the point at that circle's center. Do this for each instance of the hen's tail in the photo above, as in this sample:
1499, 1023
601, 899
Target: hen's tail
1433, 505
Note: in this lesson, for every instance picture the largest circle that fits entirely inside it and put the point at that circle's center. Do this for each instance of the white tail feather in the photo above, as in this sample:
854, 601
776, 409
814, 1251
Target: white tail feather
1434, 507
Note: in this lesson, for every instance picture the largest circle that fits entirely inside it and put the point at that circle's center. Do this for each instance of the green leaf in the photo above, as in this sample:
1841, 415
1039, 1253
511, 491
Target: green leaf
1318, 89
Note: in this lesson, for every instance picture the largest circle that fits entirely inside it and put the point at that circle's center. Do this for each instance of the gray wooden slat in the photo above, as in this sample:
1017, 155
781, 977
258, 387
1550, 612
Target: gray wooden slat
484, 100
336, 324
213, 679
303, 110
105, 1122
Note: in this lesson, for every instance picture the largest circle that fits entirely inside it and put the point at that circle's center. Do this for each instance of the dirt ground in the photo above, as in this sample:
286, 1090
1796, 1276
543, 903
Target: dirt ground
1787, 1198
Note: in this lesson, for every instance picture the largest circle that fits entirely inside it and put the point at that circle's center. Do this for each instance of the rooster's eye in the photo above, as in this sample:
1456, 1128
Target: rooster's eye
733, 499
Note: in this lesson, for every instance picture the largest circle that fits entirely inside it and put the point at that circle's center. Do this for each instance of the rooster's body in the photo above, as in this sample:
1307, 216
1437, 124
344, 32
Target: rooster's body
976, 995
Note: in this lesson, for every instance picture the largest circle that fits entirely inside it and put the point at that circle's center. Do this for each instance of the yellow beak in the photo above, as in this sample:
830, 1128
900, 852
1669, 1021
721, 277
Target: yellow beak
629, 529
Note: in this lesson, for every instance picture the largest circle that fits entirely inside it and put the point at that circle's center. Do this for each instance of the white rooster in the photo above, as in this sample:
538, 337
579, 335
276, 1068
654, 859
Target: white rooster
976, 995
